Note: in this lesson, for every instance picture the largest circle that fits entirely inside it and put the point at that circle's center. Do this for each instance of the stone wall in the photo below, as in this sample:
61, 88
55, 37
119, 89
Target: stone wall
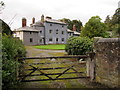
107, 61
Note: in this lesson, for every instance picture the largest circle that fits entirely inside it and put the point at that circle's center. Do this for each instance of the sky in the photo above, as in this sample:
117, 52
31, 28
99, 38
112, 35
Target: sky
81, 10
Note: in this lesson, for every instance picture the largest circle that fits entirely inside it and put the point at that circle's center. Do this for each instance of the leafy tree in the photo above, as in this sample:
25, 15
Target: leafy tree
116, 17
70, 24
12, 49
113, 24
94, 28
78, 45
116, 23
5, 28
107, 20
78, 24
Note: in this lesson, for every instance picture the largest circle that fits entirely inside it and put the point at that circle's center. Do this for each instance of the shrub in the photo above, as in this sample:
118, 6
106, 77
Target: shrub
78, 45
11, 50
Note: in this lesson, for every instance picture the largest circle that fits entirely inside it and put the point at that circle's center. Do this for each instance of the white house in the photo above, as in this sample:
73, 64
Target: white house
45, 31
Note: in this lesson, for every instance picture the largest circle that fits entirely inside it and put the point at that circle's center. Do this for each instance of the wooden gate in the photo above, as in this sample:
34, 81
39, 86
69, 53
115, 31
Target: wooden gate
52, 68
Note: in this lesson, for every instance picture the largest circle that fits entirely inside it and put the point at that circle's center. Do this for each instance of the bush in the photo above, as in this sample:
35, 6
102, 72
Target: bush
11, 49
78, 45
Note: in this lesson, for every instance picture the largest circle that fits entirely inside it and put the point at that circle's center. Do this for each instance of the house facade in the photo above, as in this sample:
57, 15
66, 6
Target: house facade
45, 31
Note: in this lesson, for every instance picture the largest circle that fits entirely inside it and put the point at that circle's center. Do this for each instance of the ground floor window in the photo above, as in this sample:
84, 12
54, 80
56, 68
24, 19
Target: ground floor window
31, 39
56, 39
40, 40
62, 39
50, 39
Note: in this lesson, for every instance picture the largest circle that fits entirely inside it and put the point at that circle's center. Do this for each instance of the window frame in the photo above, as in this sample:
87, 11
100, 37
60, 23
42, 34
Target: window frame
31, 40
57, 31
62, 39
50, 31
50, 39
63, 32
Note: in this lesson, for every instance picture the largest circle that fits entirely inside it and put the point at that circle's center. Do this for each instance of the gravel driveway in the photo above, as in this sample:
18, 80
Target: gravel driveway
80, 83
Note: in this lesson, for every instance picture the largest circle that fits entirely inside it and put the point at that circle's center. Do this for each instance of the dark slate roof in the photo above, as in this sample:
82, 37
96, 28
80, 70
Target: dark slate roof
38, 23
26, 29
54, 21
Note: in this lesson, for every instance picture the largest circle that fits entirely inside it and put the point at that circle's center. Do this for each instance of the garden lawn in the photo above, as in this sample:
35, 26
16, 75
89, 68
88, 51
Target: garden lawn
52, 47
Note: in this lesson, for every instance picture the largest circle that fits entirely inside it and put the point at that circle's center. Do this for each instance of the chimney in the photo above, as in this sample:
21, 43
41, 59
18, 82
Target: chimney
48, 17
74, 27
33, 20
24, 21
42, 18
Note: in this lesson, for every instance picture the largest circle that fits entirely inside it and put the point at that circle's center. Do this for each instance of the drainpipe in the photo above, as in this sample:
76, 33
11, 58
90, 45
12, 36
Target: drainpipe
44, 35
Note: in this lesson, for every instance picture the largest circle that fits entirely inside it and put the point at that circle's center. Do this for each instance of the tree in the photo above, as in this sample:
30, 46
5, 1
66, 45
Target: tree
78, 24
116, 23
5, 28
116, 17
107, 20
70, 24
78, 45
94, 28
108, 23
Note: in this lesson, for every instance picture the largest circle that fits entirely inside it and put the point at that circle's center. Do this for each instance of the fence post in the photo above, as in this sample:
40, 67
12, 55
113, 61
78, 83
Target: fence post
91, 66
17, 69
88, 67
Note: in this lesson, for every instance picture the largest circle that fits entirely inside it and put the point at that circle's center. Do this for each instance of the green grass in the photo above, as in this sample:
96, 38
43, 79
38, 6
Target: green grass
52, 47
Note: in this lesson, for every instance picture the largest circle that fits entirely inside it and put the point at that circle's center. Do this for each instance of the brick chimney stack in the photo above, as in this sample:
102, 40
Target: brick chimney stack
42, 18
24, 22
33, 20
74, 27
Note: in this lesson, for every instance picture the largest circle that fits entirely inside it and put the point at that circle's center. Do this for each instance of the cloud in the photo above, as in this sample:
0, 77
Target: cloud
72, 9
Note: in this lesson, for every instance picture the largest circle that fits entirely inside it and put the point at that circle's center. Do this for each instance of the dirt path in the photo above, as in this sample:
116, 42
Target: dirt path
79, 83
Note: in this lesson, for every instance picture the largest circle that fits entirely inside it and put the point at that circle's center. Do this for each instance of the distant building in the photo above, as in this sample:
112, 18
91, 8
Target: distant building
45, 31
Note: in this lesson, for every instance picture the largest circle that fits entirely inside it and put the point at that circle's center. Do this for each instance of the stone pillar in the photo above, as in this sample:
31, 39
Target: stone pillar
107, 61
90, 64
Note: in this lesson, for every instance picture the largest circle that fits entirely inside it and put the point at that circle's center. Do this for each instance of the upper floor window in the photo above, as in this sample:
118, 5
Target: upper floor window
62, 39
30, 32
40, 32
50, 31
62, 32
62, 25
50, 24
57, 31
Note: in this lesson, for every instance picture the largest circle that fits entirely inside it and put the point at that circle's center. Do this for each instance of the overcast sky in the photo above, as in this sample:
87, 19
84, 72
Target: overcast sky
81, 10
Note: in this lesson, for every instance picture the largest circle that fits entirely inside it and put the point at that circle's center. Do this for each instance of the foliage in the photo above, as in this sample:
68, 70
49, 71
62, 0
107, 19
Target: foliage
115, 21
11, 49
5, 28
78, 45
54, 47
70, 23
113, 24
94, 28
116, 17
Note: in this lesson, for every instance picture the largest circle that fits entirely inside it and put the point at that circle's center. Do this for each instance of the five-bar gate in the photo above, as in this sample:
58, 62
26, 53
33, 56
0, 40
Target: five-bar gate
52, 68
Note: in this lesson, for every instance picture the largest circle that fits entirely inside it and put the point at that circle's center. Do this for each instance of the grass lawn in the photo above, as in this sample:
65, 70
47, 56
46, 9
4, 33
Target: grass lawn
54, 47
